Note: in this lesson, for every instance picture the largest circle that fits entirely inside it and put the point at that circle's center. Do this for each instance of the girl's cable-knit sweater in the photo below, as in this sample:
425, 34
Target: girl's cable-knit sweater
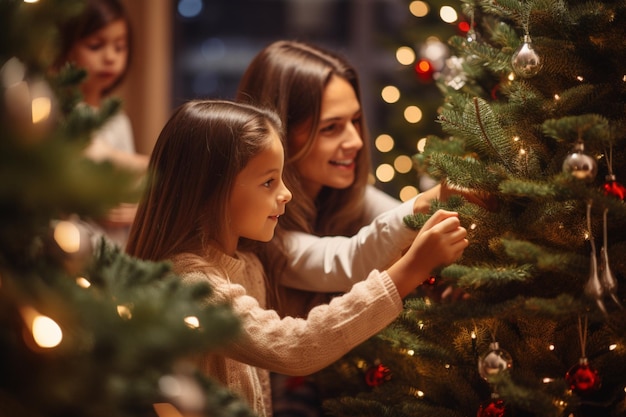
291, 346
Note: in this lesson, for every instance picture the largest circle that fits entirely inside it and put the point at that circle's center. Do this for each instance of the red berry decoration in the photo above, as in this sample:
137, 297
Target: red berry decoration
614, 188
377, 374
582, 378
492, 408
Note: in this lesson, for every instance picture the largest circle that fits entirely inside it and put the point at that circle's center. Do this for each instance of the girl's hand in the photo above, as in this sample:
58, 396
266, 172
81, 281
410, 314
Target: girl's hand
444, 190
440, 241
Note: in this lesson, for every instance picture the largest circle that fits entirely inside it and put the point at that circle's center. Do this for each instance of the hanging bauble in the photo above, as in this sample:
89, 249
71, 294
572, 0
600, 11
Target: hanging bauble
377, 374
614, 188
579, 164
582, 378
493, 362
525, 60
492, 408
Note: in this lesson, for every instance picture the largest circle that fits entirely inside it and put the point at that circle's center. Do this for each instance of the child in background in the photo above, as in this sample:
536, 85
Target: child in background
215, 186
99, 40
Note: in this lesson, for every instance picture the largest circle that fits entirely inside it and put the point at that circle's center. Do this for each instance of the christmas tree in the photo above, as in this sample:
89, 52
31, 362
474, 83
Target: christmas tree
85, 330
534, 122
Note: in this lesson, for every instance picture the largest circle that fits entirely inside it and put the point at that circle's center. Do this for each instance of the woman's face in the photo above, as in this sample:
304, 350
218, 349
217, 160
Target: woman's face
332, 159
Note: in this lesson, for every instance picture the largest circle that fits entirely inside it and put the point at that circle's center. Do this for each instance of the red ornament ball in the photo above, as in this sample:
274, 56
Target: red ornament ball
377, 374
615, 189
492, 408
582, 378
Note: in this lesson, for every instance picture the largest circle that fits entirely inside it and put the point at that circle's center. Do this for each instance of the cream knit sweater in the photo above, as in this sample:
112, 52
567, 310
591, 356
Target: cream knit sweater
291, 346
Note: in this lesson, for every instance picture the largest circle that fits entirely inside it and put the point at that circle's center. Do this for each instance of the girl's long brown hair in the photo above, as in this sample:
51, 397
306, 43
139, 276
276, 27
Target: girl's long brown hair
196, 158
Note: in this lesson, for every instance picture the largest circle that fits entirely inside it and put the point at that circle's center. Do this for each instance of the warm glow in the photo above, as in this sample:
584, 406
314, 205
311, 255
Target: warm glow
83, 282
124, 312
403, 164
166, 410
67, 236
408, 192
192, 321
41, 108
413, 114
473, 226
405, 55
385, 173
613, 346
390, 94
384, 143
511, 76
421, 144
551, 347
410, 352
547, 380
46, 332
418, 8
448, 14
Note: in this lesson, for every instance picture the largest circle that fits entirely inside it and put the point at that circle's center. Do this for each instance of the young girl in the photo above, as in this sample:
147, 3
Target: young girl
338, 228
99, 40
215, 181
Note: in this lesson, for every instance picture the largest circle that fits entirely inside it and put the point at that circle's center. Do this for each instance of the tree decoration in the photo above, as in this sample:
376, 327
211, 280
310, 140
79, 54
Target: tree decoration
525, 61
494, 362
608, 281
582, 378
579, 164
611, 186
493, 407
377, 375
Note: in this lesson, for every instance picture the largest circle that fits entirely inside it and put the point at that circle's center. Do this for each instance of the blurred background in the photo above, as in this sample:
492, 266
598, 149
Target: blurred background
185, 49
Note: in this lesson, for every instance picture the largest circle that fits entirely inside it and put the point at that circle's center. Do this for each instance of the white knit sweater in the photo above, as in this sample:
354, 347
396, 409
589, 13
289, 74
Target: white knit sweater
291, 346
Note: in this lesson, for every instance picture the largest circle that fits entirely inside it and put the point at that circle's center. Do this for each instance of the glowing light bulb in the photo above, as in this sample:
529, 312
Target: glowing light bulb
46, 332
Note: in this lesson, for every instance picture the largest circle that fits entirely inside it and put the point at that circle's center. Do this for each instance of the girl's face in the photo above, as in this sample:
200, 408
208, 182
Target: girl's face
104, 54
332, 159
258, 196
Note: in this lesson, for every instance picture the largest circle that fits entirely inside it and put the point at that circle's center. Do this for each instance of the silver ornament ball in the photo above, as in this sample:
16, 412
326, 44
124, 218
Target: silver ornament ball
525, 61
580, 165
494, 362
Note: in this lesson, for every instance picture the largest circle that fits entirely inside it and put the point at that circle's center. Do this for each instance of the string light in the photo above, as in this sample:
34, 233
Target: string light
390, 94
385, 173
413, 114
192, 322
67, 236
419, 8
384, 143
124, 312
83, 282
45, 331
403, 164
408, 192
405, 55
448, 14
